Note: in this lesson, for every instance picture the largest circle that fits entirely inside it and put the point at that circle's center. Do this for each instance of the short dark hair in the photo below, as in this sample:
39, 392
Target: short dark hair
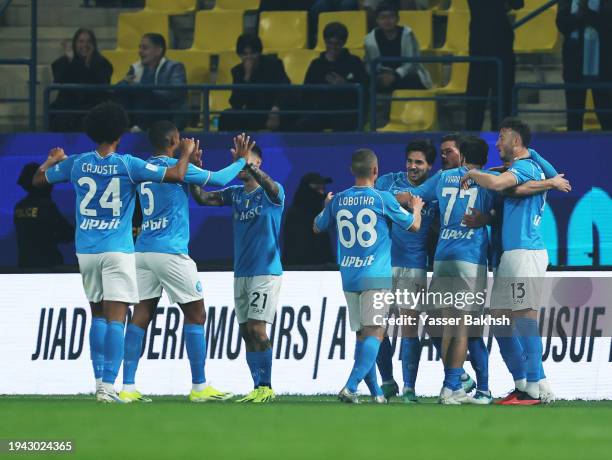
519, 127
157, 40
387, 6
26, 176
106, 123
474, 150
452, 137
257, 151
249, 41
160, 134
362, 162
422, 145
335, 30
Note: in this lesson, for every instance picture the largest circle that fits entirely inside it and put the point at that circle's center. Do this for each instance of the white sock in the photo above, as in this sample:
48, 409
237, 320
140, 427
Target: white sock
108, 387
405, 389
130, 387
465, 376
520, 384
388, 382
98, 384
533, 389
198, 386
544, 386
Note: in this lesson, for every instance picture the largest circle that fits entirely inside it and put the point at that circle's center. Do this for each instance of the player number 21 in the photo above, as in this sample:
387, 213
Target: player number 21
364, 234
110, 199
452, 192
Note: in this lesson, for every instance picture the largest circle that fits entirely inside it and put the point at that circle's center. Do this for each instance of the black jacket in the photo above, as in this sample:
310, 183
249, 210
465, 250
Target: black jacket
269, 70
491, 33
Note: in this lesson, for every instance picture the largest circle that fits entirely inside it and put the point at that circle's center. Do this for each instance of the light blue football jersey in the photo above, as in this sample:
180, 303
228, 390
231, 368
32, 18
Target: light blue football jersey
523, 216
105, 191
165, 210
408, 249
363, 217
257, 221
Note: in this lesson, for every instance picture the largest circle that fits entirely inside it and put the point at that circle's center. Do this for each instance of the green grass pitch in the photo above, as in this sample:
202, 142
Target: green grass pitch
309, 428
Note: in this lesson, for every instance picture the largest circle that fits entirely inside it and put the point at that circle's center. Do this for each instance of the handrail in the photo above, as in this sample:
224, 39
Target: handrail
441, 59
4, 4
534, 13
206, 89
557, 87
31, 63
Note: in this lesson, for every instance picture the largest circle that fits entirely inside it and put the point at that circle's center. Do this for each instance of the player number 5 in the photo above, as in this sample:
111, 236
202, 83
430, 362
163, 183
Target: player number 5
149, 193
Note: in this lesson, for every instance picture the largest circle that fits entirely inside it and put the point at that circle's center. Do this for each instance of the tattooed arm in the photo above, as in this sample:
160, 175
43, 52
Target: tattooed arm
270, 187
206, 198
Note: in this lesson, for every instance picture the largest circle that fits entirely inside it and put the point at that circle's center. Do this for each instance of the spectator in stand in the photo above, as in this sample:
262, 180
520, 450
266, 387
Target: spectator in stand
491, 35
255, 68
302, 245
155, 69
335, 66
586, 26
39, 225
81, 63
389, 39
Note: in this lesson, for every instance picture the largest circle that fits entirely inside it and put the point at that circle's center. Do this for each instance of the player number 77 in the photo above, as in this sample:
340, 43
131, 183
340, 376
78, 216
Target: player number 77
452, 192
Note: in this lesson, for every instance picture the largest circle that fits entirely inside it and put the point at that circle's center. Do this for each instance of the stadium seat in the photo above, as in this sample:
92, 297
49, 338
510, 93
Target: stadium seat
219, 100
241, 5
455, 5
197, 64
533, 4
296, 63
590, 121
132, 26
539, 35
283, 30
171, 7
355, 22
458, 79
411, 115
457, 34
421, 24
217, 31
121, 61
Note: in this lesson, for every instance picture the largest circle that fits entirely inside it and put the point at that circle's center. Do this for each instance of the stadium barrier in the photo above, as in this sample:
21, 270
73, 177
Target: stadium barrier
202, 110
44, 342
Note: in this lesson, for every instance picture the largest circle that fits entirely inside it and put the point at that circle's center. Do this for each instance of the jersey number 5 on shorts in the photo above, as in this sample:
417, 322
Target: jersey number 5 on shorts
365, 234
110, 199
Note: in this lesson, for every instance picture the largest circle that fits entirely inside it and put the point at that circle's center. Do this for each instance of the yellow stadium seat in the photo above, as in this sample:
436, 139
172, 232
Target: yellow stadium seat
296, 63
533, 4
457, 34
539, 35
283, 30
217, 31
455, 5
458, 79
355, 22
132, 26
197, 64
121, 61
242, 5
421, 24
590, 121
171, 6
219, 100
411, 115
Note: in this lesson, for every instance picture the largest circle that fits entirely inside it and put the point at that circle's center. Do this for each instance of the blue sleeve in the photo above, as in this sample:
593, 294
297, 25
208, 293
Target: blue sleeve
323, 220
61, 172
228, 196
548, 169
222, 177
141, 171
427, 190
396, 213
523, 171
281, 195
384, 182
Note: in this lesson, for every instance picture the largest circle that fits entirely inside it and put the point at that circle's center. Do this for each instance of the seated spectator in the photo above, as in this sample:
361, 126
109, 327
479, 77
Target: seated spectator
155, 69
255, 68
389, 39
335, 66
39, 224
81, 63
302, 245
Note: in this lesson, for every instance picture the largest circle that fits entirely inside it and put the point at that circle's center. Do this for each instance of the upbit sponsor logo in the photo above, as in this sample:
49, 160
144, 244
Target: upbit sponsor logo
357, 262
448, 234
98, 224
155, 224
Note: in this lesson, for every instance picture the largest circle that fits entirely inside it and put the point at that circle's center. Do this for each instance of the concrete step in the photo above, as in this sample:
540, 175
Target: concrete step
21, 33
48, 51
67, 16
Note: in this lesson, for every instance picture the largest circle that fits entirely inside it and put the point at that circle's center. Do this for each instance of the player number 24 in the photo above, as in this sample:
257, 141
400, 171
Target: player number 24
364, 234
110, 199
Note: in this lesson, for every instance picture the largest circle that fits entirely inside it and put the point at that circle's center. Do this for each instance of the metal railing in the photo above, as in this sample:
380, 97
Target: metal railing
433, 59
30, 63
557, 87
202, 110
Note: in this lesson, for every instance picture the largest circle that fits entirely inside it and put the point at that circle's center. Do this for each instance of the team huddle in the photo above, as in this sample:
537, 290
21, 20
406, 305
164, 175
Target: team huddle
384, 225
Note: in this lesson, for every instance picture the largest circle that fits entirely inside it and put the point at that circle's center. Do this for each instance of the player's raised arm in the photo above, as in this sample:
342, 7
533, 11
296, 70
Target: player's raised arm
56, 155
489, 181
323, 219
206, 198
533, 187
177, 172
407, 221
427, 190
271, 188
